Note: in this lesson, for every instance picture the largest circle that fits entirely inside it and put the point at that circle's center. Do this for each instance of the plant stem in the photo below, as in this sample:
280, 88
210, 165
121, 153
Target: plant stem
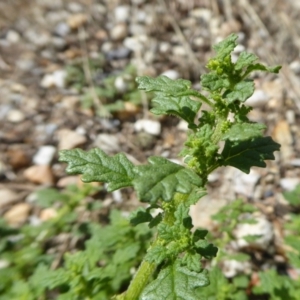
140, 280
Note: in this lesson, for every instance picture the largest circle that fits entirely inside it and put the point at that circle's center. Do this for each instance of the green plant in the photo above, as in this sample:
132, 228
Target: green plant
23, 249
176, 254
113, 91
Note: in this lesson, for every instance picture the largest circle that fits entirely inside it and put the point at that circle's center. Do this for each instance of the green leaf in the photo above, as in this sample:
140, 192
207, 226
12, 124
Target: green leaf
95, 165
245, 59
243, 131
205, 249
175, 282
156, 254
192, 261
162, 179
181, 106
141, 215
246, 154
293, 197
214, 82
199, 234
261, 67
163, 84
241, 92
225, 47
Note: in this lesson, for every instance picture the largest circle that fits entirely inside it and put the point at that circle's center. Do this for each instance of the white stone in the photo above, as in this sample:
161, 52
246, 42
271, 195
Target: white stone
62, 29
239, 48
122, 13
74, 7
258, 99
107, 142
164, 47
295, 66
233, 267
8, 197
119, 31
69, 139
179, 51
15, 116
245, 183
183, 125
45, 155
289, 184
117, 196
201, 13
55, 79
150, 126
12, 36
120, 84
262, 228
172, 74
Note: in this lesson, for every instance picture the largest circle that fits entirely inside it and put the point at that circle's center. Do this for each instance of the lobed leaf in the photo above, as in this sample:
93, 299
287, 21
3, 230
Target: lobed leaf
243, 131
156, 254
241, 92
244, 60
95, 165
192, 261
175, 282
141, 215
162, 179
225, 47
246, 154
261, 67
181, 106
214, 82
163, 84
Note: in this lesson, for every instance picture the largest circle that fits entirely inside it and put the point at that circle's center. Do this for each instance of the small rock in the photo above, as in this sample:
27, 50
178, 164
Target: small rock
48, 214
289, 184
62, 29
68, 180
282, 134
117, 196
17, 157
18, 214
231, 268
295, 162
40, 174
7, 197
56, 79
77, 20
295, 66
121, 84
74, 7
135, 43
38, 38
165, 47
144, 140
290, 116
179, 51
258, 99
172, 74
119, 53
119, 32
245, 183
201, 13
59, 43
69, 139
183, 125
107, 142
15, 116
150, 126
122, 13
12, 36
263, 228
44, 156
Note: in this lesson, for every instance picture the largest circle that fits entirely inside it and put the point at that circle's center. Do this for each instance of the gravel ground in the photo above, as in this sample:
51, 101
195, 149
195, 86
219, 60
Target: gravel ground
54, 55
